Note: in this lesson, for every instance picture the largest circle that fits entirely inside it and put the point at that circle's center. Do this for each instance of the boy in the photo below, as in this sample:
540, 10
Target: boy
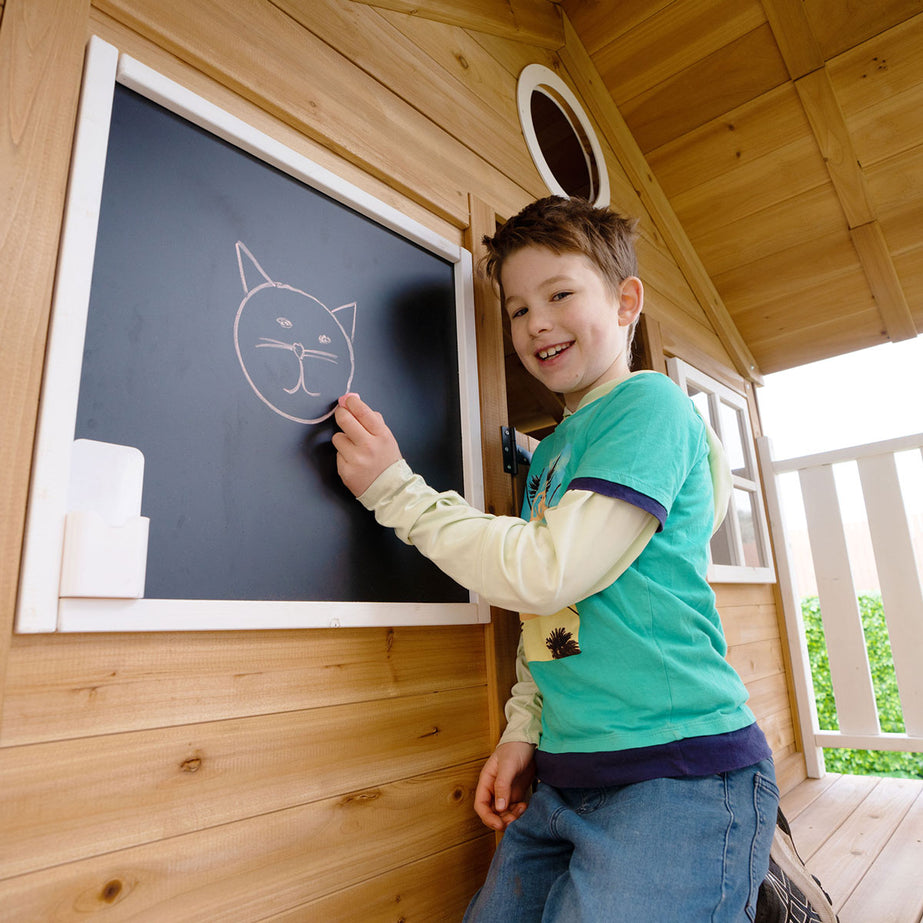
657, 797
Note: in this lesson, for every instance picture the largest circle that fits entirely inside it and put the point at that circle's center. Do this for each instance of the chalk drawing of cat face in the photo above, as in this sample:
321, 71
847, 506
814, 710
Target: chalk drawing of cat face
295, 352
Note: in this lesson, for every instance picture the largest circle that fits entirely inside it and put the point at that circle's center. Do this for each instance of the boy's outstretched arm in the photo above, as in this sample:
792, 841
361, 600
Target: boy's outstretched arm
365, 447
578, 547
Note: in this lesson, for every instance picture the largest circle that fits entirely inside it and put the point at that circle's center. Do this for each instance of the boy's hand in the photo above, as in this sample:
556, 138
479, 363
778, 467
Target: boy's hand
504, 784
365, 447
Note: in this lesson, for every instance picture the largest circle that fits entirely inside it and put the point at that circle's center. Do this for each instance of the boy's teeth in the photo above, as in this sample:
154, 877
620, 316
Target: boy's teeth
553, 351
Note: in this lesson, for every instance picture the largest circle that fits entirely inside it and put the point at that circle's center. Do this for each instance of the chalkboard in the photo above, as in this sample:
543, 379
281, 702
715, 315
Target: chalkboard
222, 291
230, 306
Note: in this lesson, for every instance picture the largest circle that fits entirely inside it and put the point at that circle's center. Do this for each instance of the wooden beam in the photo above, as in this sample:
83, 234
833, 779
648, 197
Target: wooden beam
592, 91
832, 134
884, 282
535, 22
793, 35
829, 126
502, 634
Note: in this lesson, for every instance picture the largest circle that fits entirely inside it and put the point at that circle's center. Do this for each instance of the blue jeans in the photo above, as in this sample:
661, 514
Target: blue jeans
691, 850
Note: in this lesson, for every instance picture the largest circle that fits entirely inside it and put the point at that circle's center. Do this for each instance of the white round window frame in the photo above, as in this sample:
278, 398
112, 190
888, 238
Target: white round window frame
532, 78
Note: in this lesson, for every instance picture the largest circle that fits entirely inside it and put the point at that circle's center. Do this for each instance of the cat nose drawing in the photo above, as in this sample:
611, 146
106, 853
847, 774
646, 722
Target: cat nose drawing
301, 353
322, 375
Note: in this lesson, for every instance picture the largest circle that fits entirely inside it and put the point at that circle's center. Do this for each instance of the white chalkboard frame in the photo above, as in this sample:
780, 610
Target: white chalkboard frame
39, 608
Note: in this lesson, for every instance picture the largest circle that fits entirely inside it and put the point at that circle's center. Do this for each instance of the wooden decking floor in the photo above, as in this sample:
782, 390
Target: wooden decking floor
862, 836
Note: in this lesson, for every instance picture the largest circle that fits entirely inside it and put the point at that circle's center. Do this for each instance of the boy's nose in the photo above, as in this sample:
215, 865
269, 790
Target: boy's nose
539, 322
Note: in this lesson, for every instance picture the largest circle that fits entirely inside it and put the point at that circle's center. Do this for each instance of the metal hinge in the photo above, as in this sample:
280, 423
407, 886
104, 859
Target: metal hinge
514, 454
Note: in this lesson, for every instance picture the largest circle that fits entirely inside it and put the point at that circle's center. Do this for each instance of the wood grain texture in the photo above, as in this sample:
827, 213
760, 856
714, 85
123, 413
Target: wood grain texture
435, 888
41, 58
144, 786
310, 85
266, 864
535, 22
70, 686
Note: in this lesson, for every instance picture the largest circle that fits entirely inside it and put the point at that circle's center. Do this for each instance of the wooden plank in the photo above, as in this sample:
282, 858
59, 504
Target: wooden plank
849, 666
603, 21
901, 593
702, 91
784, 173
854, 330
435, 888
847, 855
41, 57
890, 891
896, 188
820, 262
267, 864
887, 66
671, 40
149, 785
752, 130
884, 281
786, 225
170, 66
462, 54
757, 660
64, 687
805, 794
840, 26
590, 89
820, 819
308, 84
408, 70
790, 769
535, 22
731, 595
743, 624
794, 36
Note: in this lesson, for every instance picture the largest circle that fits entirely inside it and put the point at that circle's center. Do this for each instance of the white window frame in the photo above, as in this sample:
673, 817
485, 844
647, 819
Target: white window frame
686, 375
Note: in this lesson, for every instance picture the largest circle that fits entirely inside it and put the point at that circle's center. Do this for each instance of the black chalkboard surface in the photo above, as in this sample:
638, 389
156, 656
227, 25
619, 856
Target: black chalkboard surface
230, 305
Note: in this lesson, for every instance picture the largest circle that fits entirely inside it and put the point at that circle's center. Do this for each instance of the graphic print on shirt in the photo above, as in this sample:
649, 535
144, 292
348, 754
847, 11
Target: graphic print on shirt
550, 637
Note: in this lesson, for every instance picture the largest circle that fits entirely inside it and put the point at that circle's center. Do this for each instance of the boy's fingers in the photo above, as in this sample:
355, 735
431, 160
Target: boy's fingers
349, 424
371, 420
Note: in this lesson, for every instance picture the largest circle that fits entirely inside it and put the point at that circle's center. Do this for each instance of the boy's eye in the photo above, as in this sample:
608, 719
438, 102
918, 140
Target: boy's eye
560, 296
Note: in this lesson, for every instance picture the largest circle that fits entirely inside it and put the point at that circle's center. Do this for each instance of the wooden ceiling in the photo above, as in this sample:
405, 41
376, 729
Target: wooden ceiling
788, 137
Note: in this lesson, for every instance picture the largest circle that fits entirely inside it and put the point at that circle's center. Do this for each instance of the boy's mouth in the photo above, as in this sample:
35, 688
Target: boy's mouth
549, 352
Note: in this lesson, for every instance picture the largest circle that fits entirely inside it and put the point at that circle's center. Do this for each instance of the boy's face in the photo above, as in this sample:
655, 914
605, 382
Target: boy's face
569, 328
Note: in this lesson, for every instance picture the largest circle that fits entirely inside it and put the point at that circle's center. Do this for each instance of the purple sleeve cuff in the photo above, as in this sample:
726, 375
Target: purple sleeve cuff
621, 492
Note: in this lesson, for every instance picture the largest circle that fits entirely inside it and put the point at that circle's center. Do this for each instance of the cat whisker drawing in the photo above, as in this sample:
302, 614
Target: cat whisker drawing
270, 306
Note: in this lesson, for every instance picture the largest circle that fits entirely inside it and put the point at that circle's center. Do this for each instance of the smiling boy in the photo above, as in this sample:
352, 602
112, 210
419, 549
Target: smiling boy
625, 708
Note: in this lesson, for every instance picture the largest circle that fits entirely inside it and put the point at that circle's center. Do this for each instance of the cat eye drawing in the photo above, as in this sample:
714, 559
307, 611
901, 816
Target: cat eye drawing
296, 353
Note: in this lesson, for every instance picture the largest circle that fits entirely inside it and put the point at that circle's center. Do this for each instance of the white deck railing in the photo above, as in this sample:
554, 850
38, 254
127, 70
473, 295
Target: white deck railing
899, 578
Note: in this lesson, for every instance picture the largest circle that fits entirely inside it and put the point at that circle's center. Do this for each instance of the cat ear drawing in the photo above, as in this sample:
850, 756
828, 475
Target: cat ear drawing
248, 266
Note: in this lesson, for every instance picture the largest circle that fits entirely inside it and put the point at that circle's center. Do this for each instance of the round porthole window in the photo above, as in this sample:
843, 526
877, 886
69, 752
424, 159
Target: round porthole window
560, 138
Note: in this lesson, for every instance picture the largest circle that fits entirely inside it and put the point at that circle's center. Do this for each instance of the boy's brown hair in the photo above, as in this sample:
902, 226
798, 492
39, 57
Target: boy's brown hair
568, 226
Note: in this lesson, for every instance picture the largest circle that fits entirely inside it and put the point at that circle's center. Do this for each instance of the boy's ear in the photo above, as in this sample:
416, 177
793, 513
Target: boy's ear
631, 300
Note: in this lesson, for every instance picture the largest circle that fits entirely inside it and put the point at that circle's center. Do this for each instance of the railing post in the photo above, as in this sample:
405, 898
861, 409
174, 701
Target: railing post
805, 703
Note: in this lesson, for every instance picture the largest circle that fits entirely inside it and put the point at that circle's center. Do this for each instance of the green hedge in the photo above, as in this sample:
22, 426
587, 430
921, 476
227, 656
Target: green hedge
861, 762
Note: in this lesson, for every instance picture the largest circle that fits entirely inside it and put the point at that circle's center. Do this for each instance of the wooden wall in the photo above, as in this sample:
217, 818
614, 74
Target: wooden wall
297, 775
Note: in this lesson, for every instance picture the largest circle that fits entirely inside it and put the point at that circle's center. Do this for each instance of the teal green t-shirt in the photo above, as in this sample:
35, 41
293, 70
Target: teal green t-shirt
642, 662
